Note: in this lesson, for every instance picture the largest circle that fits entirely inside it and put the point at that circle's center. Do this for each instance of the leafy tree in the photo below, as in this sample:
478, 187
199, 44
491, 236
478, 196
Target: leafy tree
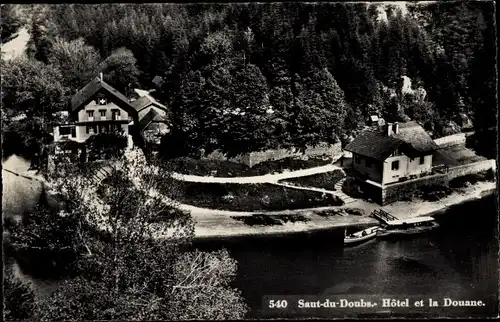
40, 43
78, 61
202, 289
281, 100
10, 22
120, 70
443, 47
31, 87
419, 110
40, 232
216, 104
187, 106
324, 84
32, 92
217, 49
130, 244
250, 103
24, 138
323, 110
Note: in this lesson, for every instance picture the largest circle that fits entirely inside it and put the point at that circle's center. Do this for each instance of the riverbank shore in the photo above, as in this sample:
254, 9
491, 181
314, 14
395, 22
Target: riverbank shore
212, 226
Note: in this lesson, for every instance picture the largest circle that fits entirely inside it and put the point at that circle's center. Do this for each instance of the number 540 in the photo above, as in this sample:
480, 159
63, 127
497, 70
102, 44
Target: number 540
278, 304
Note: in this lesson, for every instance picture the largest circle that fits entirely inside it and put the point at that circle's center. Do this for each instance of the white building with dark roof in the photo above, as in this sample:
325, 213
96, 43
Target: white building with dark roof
392, 153
96, 108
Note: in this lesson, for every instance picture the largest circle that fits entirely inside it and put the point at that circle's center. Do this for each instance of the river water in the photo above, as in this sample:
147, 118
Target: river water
457, 260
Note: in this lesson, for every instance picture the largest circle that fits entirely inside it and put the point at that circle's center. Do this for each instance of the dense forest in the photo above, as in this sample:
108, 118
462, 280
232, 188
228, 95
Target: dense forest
243, 77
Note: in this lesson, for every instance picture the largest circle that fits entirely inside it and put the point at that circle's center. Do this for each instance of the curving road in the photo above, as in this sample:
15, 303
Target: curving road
267, 178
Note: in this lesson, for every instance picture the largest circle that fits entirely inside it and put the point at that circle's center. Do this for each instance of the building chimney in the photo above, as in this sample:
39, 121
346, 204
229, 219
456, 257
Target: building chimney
100, 77
395, 128
389, 129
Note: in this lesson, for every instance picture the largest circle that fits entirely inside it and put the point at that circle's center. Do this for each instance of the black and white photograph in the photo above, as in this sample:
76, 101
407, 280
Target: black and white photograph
249, 160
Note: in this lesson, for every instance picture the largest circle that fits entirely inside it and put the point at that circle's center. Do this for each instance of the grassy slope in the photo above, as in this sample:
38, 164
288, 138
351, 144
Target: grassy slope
325, 180
246, 197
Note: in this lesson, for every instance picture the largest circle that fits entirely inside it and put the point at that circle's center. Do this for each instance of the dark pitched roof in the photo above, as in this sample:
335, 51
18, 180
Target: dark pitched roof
141, 103
86, 94
415, 136
375, 143
151, 116
145, 101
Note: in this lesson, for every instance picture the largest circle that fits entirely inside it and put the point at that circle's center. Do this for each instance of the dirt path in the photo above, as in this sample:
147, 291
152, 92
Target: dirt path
217, 223
267, 178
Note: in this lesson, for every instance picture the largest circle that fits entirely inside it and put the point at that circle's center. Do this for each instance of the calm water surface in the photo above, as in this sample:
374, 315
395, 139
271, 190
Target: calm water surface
459, 259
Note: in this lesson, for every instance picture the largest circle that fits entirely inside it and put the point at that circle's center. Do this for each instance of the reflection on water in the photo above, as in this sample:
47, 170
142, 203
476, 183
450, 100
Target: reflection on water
459, 259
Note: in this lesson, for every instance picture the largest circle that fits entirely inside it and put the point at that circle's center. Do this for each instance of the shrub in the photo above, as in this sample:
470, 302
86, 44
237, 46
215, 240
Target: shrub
352, 188
267, 220
258, 220
105, 145
328, 213
290, 163
340, 212
204, 167
354, 211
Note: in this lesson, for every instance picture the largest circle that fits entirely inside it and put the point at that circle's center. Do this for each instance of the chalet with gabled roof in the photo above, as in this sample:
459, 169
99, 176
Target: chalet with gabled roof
392, 153
96, 108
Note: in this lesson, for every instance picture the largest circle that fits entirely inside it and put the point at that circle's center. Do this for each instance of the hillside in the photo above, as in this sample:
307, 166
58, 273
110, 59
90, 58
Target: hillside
256, 76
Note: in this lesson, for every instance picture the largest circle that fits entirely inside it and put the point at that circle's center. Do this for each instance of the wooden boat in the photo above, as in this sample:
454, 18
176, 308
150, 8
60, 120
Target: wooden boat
408, 226
361, 236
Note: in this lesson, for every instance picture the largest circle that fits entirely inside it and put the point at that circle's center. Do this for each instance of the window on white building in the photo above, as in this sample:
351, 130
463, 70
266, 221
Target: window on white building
422, 160
115, 114
395, 165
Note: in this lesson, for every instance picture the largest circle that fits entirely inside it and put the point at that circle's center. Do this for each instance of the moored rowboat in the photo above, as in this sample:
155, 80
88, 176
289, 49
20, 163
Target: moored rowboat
361, 236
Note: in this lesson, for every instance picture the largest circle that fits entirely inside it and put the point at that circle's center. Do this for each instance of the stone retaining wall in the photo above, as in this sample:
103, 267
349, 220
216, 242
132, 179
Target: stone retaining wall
400, 190
252, 158
462, 170
451, 140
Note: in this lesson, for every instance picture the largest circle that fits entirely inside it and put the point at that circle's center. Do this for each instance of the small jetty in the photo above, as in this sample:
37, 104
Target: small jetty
383, 216
391, 225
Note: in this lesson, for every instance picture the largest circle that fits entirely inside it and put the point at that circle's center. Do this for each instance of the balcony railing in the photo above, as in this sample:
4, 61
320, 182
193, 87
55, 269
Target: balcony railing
103, 118
90, 118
